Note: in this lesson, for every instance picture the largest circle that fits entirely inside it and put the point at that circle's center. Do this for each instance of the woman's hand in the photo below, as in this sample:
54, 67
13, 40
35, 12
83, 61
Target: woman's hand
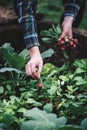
34, 66
67, 27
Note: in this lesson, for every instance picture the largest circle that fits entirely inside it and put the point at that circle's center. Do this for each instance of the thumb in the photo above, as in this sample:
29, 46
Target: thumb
62, 36
39, 69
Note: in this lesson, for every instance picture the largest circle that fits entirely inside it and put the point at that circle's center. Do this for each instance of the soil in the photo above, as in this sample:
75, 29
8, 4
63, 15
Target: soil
6, 13
10, 32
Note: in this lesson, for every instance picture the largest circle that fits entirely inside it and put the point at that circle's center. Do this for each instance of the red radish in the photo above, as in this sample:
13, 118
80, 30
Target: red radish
63, 47
75, 41
59, 43
74, 46
66, 39
68, 44
40, 85
71, 43
69, 37
62, 42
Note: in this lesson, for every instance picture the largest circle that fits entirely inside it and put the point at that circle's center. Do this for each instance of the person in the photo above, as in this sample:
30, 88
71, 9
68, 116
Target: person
79, 18
26, 17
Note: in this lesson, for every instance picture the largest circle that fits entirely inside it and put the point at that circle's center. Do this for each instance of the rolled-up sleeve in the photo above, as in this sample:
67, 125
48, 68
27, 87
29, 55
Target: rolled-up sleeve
72, 8
26, 18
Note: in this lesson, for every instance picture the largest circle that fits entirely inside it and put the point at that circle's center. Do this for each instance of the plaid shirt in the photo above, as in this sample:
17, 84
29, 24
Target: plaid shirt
26, 14
72, 8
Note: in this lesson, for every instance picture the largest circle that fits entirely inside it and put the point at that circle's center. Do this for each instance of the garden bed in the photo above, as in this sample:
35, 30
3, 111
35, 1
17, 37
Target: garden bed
24, 105
10, 32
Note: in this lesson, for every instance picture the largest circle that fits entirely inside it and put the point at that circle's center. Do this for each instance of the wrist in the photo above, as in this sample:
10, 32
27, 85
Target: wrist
34, 50
69, 19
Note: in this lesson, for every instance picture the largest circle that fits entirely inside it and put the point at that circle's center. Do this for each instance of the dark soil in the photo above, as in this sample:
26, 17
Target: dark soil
6, 13
10, 32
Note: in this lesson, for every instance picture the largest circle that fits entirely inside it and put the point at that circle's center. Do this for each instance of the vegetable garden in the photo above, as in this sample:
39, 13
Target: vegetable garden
59, 100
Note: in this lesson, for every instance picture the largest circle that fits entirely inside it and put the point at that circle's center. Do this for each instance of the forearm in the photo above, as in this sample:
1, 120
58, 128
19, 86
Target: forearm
26, 19
26, 10
72, 8
34, 51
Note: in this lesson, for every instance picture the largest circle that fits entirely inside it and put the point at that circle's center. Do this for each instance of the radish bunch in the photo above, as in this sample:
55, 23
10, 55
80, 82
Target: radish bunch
52, 34
67, 42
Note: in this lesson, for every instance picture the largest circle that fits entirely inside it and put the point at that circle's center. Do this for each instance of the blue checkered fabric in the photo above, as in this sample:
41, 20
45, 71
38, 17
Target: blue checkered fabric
72, 8
26, 17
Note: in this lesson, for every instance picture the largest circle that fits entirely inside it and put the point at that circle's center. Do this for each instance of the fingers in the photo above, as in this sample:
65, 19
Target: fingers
62, 36
66, 32
32, 71
28, 70
40, 68
66, 27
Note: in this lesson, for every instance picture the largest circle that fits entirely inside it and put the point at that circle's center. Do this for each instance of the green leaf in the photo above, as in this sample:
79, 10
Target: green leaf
48, 68
80, 80
36, 114
79, 70
14, 99
45, 33
9, 48
3, 126
84, 124
47, 40
52, 90
25, 54
54, 72
32, 101
48, 107
7, 55
64, 78
38, 125
59, 30
18, 61
77, 110
61, 121
9, 110
66, 55
71, 88
41, 120
8, 87
82, 63
1, 89
14, 60
47, 53
9, 70
8, 119
70, 127
21, 110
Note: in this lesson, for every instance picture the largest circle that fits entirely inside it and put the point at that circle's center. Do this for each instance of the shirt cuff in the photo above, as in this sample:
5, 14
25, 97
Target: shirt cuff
71, 10
70, 14
31, 40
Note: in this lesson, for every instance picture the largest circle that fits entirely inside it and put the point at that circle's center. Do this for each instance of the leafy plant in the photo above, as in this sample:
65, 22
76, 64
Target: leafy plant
40, 120
52, 35
64, 92
12, 73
